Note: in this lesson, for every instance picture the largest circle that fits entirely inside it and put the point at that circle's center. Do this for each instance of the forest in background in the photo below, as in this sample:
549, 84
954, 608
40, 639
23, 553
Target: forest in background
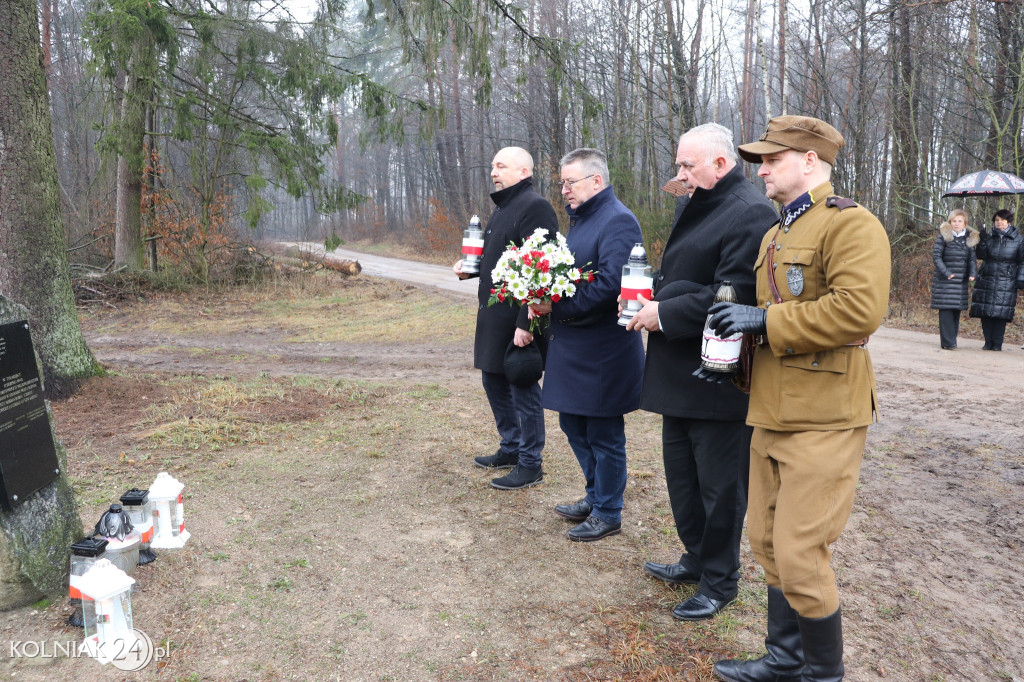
212, 123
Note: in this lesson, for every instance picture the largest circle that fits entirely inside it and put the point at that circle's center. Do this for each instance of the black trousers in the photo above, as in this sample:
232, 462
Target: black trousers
949, 327
707, 464
994, 330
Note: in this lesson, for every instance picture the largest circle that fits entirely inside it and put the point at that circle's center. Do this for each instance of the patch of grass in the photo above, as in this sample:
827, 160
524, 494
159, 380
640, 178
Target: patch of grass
43, 603
355, 618
297, 563
218, 557
281, 584
333, 314
198, 434
429, 392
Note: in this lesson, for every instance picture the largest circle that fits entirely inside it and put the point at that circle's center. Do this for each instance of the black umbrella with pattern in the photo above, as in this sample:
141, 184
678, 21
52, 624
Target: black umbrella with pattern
986, 183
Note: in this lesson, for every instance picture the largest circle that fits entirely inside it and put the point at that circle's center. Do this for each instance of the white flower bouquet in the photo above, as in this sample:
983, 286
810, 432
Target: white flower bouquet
542, 270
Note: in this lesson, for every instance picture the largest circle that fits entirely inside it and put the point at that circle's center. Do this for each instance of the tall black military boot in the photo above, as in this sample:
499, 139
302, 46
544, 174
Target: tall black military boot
784, 661
823, 648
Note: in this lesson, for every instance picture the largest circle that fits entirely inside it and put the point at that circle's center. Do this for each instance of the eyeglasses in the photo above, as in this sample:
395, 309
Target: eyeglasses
570, 183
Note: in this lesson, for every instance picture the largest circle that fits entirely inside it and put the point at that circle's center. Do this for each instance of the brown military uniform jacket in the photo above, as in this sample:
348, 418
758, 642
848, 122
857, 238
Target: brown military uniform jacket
805, 378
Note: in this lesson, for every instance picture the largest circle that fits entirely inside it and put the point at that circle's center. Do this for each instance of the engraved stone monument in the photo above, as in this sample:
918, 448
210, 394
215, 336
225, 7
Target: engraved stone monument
38, 516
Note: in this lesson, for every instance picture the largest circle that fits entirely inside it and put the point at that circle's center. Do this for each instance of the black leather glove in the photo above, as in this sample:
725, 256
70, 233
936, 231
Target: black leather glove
735, 318
715, 377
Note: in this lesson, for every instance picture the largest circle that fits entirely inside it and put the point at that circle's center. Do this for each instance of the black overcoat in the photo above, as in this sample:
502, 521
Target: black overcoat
953, 256
1000, 275
518, 211
715, 238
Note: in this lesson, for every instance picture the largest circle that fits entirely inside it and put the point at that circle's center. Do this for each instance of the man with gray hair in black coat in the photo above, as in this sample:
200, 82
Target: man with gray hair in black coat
705, 441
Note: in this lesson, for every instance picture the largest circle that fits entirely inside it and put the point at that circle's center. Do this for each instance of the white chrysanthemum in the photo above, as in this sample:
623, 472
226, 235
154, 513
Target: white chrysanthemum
575, 274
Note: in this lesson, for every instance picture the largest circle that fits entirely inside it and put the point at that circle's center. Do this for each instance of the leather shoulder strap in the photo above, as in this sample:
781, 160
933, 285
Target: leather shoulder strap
840, 202
770, 263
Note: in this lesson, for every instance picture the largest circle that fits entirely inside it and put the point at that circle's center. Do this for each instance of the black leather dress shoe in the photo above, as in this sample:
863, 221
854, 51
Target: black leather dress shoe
699, 607
675, 574
593, 529
499, 460
577, 511
519, 477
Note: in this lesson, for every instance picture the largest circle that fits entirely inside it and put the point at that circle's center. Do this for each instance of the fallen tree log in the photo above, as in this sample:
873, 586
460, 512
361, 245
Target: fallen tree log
342, 265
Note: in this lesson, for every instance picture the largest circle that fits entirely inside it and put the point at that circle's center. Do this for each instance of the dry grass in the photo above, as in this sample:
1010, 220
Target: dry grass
322, 308
339, 530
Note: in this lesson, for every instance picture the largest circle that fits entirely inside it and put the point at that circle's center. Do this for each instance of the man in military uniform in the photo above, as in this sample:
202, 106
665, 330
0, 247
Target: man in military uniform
822, 278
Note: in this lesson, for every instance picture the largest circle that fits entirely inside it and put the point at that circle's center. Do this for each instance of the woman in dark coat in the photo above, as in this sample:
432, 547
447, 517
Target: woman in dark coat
955, 266
1001, 274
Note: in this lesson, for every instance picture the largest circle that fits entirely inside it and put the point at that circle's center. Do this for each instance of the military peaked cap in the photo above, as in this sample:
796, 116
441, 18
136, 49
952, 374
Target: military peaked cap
802, 133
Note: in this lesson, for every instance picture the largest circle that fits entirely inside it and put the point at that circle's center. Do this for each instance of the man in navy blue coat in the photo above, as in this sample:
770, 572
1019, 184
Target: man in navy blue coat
705, 442
594, 367
518, 211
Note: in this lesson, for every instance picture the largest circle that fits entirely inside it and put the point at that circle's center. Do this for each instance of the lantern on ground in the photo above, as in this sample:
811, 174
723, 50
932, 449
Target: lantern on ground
472, 247
107, 611
136, 503
123, 539
637, 280
84, 554
168, 513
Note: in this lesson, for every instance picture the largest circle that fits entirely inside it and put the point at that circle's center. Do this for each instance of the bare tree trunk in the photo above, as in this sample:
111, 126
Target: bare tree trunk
747, 86
33, 256
861, 158
47, 38
904, 113
762, 51
128, 237
783, 76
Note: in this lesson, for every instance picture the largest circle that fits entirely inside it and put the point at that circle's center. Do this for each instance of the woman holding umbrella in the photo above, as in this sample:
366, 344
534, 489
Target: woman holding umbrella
955, 266
1001, 274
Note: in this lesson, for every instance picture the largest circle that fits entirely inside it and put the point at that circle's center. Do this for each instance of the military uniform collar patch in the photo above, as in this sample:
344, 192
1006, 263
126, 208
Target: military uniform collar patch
795, 209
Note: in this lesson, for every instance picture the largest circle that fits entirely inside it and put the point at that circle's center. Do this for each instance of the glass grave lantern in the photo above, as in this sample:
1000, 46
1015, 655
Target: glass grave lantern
717, 353
106, 610
136, 503
168, 513
637, 280
472, 247
84, 554
123, 539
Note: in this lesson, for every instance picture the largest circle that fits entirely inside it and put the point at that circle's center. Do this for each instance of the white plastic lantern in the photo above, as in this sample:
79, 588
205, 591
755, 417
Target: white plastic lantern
472, 246
637, 280
106, 610
168, 513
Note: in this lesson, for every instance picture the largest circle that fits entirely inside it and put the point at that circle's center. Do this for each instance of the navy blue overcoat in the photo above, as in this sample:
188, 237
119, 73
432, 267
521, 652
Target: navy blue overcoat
595, 367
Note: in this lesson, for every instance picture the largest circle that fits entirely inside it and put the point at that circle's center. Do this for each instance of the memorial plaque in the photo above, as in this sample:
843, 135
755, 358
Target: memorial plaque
28, 457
